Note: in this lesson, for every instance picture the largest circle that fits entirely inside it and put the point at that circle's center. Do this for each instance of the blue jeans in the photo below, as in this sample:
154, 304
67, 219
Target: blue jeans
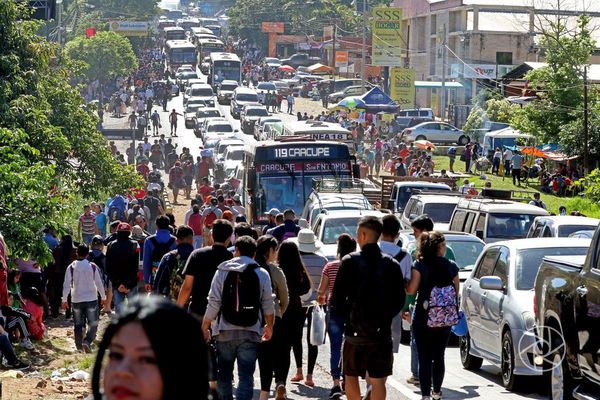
246, 354
7, 350
335, 330
87, 238
414, 354
119, 298
83, 312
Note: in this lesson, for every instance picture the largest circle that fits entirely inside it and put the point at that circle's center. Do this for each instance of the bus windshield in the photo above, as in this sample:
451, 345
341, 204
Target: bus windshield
183, 56
226, 70
175, 35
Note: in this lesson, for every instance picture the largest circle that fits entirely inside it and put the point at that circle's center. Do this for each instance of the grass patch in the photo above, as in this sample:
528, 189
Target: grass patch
581, 204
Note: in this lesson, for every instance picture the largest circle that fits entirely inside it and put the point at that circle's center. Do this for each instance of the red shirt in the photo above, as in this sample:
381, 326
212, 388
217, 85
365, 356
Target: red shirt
330, 270
205, 190
143, 170
35, 326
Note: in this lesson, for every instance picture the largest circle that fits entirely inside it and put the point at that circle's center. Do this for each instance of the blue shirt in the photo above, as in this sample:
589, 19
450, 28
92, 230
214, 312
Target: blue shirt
101, 221
517, 160
287, 226
162, 236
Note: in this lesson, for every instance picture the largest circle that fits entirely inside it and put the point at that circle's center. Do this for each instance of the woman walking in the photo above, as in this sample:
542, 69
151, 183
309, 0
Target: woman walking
268, 352
434, 277
335, 323
298, 284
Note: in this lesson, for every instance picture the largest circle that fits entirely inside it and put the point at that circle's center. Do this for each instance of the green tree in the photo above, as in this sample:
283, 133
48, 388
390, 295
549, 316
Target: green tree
50, 150
105, 55
559, 85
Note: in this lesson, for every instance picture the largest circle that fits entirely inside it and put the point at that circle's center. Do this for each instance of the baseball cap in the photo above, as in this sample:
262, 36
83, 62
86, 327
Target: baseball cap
273, 212
236, 197
124, 227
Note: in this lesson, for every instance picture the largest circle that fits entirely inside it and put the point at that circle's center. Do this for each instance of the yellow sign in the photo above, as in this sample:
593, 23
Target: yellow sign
402, 86
130, 28
387, 117
386, 29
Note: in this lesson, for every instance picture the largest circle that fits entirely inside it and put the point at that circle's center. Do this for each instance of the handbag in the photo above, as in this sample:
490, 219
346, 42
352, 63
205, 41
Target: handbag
462, 157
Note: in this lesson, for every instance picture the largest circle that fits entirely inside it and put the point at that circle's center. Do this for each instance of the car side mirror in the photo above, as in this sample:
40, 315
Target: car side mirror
479, 234
491, 283
236, 130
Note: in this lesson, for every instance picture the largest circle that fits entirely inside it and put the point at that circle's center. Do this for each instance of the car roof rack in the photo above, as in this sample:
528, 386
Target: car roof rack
338, 185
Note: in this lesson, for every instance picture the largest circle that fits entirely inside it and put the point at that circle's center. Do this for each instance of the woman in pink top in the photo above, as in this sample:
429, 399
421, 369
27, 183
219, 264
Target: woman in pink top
335, 326
33, 304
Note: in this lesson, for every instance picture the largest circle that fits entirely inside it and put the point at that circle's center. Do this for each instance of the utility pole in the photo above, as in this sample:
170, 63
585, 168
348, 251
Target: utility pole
444, 56
363, 66
333, 52
586, 165
59, 4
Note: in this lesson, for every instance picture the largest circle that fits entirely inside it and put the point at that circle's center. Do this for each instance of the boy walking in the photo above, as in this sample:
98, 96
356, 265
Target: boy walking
83, 282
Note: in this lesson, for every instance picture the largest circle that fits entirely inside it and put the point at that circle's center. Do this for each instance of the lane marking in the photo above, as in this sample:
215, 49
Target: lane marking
403, 389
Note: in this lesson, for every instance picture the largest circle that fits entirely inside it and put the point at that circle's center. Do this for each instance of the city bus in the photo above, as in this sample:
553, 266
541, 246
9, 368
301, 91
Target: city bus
318, 130
281, 173
224, 66
173, 33
215, 29
189, 23
178, 53
209, 45
200, 33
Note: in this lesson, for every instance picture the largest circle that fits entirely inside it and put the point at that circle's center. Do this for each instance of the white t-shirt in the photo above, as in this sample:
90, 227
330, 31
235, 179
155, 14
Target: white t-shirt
392, 250
508, 155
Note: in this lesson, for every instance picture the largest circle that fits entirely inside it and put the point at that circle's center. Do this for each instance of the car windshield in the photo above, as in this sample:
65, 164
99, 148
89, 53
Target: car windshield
440, 213
528, 262
266, 86
189, 75
223, 146
567, 230
333, 228
228, 87
235, 155
192, 108
209, 113
201, 92
257, 112
465, 252
508, 226
406, 193
249, 97
220, 128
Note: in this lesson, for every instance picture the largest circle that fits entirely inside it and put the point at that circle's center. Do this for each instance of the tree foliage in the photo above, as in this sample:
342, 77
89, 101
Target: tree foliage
50, 149
493, 109
106, 55
559, 85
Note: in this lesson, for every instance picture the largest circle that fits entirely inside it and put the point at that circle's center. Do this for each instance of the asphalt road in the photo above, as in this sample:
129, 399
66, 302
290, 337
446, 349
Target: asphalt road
458, 383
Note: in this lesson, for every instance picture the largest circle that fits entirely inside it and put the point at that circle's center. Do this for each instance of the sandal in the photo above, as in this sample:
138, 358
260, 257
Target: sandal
297, 378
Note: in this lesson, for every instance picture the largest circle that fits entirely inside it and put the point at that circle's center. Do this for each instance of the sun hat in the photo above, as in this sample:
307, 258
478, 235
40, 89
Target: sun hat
137, 232
306, 241
303, 224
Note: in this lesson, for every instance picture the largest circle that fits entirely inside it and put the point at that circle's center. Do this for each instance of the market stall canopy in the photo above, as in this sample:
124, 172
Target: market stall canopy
548, 151
377, 101
351, 102
287, 68
319, 69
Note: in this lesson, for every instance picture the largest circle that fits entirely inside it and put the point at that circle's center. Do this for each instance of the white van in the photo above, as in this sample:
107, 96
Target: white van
494, 220
417, 112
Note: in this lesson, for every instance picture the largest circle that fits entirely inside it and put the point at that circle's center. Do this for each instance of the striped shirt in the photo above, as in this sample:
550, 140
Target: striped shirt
314, 264
330, 271
88, 224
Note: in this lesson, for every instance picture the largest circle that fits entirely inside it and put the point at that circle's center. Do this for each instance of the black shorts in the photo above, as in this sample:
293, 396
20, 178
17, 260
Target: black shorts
375, 359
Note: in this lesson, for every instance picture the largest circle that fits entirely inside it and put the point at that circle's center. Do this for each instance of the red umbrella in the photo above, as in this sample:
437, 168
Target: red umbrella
287, 68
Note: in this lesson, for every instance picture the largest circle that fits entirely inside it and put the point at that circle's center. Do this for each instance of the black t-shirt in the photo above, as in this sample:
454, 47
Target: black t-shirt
436, 272
202, 265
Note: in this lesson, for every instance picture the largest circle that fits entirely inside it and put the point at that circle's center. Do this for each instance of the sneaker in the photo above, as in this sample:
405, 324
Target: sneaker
413, 380
26, 343
280, 393
86, 347
20, 365
436, 396
336, 392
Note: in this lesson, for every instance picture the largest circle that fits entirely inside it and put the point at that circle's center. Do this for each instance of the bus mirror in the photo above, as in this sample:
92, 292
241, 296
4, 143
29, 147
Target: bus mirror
251, 178
356, 171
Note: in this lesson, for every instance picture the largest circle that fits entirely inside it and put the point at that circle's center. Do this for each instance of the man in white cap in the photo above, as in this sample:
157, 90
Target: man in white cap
237, 208
271, 215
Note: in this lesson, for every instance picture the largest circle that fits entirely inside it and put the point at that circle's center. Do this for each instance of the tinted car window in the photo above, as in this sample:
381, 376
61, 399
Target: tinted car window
465, 252
508, 226
440, 212
528, 262
201, 92
487, 264
458, 222
566, 230
247, 97
501, 268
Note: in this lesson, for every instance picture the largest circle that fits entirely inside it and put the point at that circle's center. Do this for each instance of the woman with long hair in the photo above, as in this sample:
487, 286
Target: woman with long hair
335, 326
299, 283
431, 271
156, 351
266, 255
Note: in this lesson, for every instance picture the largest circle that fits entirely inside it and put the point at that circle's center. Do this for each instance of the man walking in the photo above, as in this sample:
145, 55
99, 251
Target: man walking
368, 293
240, 298
169, 276
173, 121
83, 281
155, 117
87, 229
517, 163
290, 103
289, 229
122, 263
155, 247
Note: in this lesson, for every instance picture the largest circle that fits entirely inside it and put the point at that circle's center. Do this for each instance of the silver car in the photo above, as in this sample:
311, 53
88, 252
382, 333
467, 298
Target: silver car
435, 132
497, 300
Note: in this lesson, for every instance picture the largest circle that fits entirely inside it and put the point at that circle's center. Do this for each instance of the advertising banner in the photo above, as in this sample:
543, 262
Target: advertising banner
130, 28
386, 30
341, 59
273, 27
402, 86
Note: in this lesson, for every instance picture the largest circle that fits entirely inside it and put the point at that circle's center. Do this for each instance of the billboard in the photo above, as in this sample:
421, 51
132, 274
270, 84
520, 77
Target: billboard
386, 31
273, 27
402, 86
341, 59
130, 28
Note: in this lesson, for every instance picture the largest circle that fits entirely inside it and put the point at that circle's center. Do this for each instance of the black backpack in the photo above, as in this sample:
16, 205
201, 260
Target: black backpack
240, 301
